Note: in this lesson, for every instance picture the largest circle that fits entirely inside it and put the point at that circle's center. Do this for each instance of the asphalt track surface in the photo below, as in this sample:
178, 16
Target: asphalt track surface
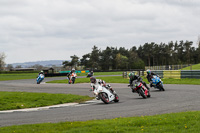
176, 98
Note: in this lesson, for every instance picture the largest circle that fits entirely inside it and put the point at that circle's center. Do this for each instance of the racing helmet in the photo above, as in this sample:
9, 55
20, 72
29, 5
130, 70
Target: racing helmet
92, 79
73, 70
131, 75
148, 71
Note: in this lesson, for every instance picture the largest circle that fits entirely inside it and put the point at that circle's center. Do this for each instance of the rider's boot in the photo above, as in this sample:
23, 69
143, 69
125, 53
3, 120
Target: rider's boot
151, 84
133, 91
97, 98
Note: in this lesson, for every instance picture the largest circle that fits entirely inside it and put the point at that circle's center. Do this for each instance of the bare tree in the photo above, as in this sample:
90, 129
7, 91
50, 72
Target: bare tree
38, 67
18, 66
2, 62
9, 67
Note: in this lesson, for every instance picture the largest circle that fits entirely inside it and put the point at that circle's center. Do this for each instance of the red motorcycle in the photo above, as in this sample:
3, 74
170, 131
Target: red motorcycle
138, 87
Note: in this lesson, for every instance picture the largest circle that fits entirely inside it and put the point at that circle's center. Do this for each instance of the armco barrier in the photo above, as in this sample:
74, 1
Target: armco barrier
172, 74
190, 74
177, 74
77, 71
55, 74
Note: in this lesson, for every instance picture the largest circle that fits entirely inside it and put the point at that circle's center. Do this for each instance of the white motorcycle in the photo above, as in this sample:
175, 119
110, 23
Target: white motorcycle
72, 78
104, 94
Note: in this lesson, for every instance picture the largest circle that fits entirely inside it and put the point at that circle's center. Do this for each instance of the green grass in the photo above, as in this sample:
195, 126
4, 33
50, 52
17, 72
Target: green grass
120, 79
108, 73
18, 76
194, 67
101, 73
175, 122
20, 100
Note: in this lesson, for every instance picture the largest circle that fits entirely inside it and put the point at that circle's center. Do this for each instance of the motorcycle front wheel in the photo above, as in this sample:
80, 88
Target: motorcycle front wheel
141, 91
38, 82
104, 97
161, 87
73, 80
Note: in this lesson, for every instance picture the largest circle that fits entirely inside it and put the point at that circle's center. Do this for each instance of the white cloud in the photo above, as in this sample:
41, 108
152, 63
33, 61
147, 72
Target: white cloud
51, 29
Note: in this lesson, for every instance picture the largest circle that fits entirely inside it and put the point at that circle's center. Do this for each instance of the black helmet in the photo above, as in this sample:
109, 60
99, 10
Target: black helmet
92, 79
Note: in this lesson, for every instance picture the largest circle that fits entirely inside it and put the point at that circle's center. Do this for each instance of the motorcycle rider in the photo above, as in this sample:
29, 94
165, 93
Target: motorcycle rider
150, 76
70, 73
41, 72
40, 77
90, 74
96, 82
132, 77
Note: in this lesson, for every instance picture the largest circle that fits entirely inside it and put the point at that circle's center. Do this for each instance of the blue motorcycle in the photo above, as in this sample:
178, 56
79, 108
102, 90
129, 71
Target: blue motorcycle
90, 74
157, 83
40, 78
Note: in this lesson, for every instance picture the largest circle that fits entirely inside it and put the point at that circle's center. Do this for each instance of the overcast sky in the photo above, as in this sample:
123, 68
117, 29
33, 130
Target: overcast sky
37, 30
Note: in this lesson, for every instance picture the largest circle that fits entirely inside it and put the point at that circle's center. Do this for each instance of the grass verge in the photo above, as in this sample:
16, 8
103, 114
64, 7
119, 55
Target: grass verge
194, 67
20, 100
174, 122
17, 76
120, 79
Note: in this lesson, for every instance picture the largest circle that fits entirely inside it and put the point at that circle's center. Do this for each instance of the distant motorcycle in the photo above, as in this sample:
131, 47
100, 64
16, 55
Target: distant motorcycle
157, 83
40, 78
104, 94
90, 74
72, 78
138, 87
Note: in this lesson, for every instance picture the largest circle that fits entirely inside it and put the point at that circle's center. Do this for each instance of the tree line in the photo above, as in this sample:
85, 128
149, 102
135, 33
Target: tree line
149, 54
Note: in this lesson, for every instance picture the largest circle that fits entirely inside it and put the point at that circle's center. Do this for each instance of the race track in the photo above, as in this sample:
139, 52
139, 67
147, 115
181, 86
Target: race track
176, 98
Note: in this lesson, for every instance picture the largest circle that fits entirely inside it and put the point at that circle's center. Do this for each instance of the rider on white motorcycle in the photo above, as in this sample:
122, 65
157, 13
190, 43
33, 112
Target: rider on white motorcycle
96, 82
70, 73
